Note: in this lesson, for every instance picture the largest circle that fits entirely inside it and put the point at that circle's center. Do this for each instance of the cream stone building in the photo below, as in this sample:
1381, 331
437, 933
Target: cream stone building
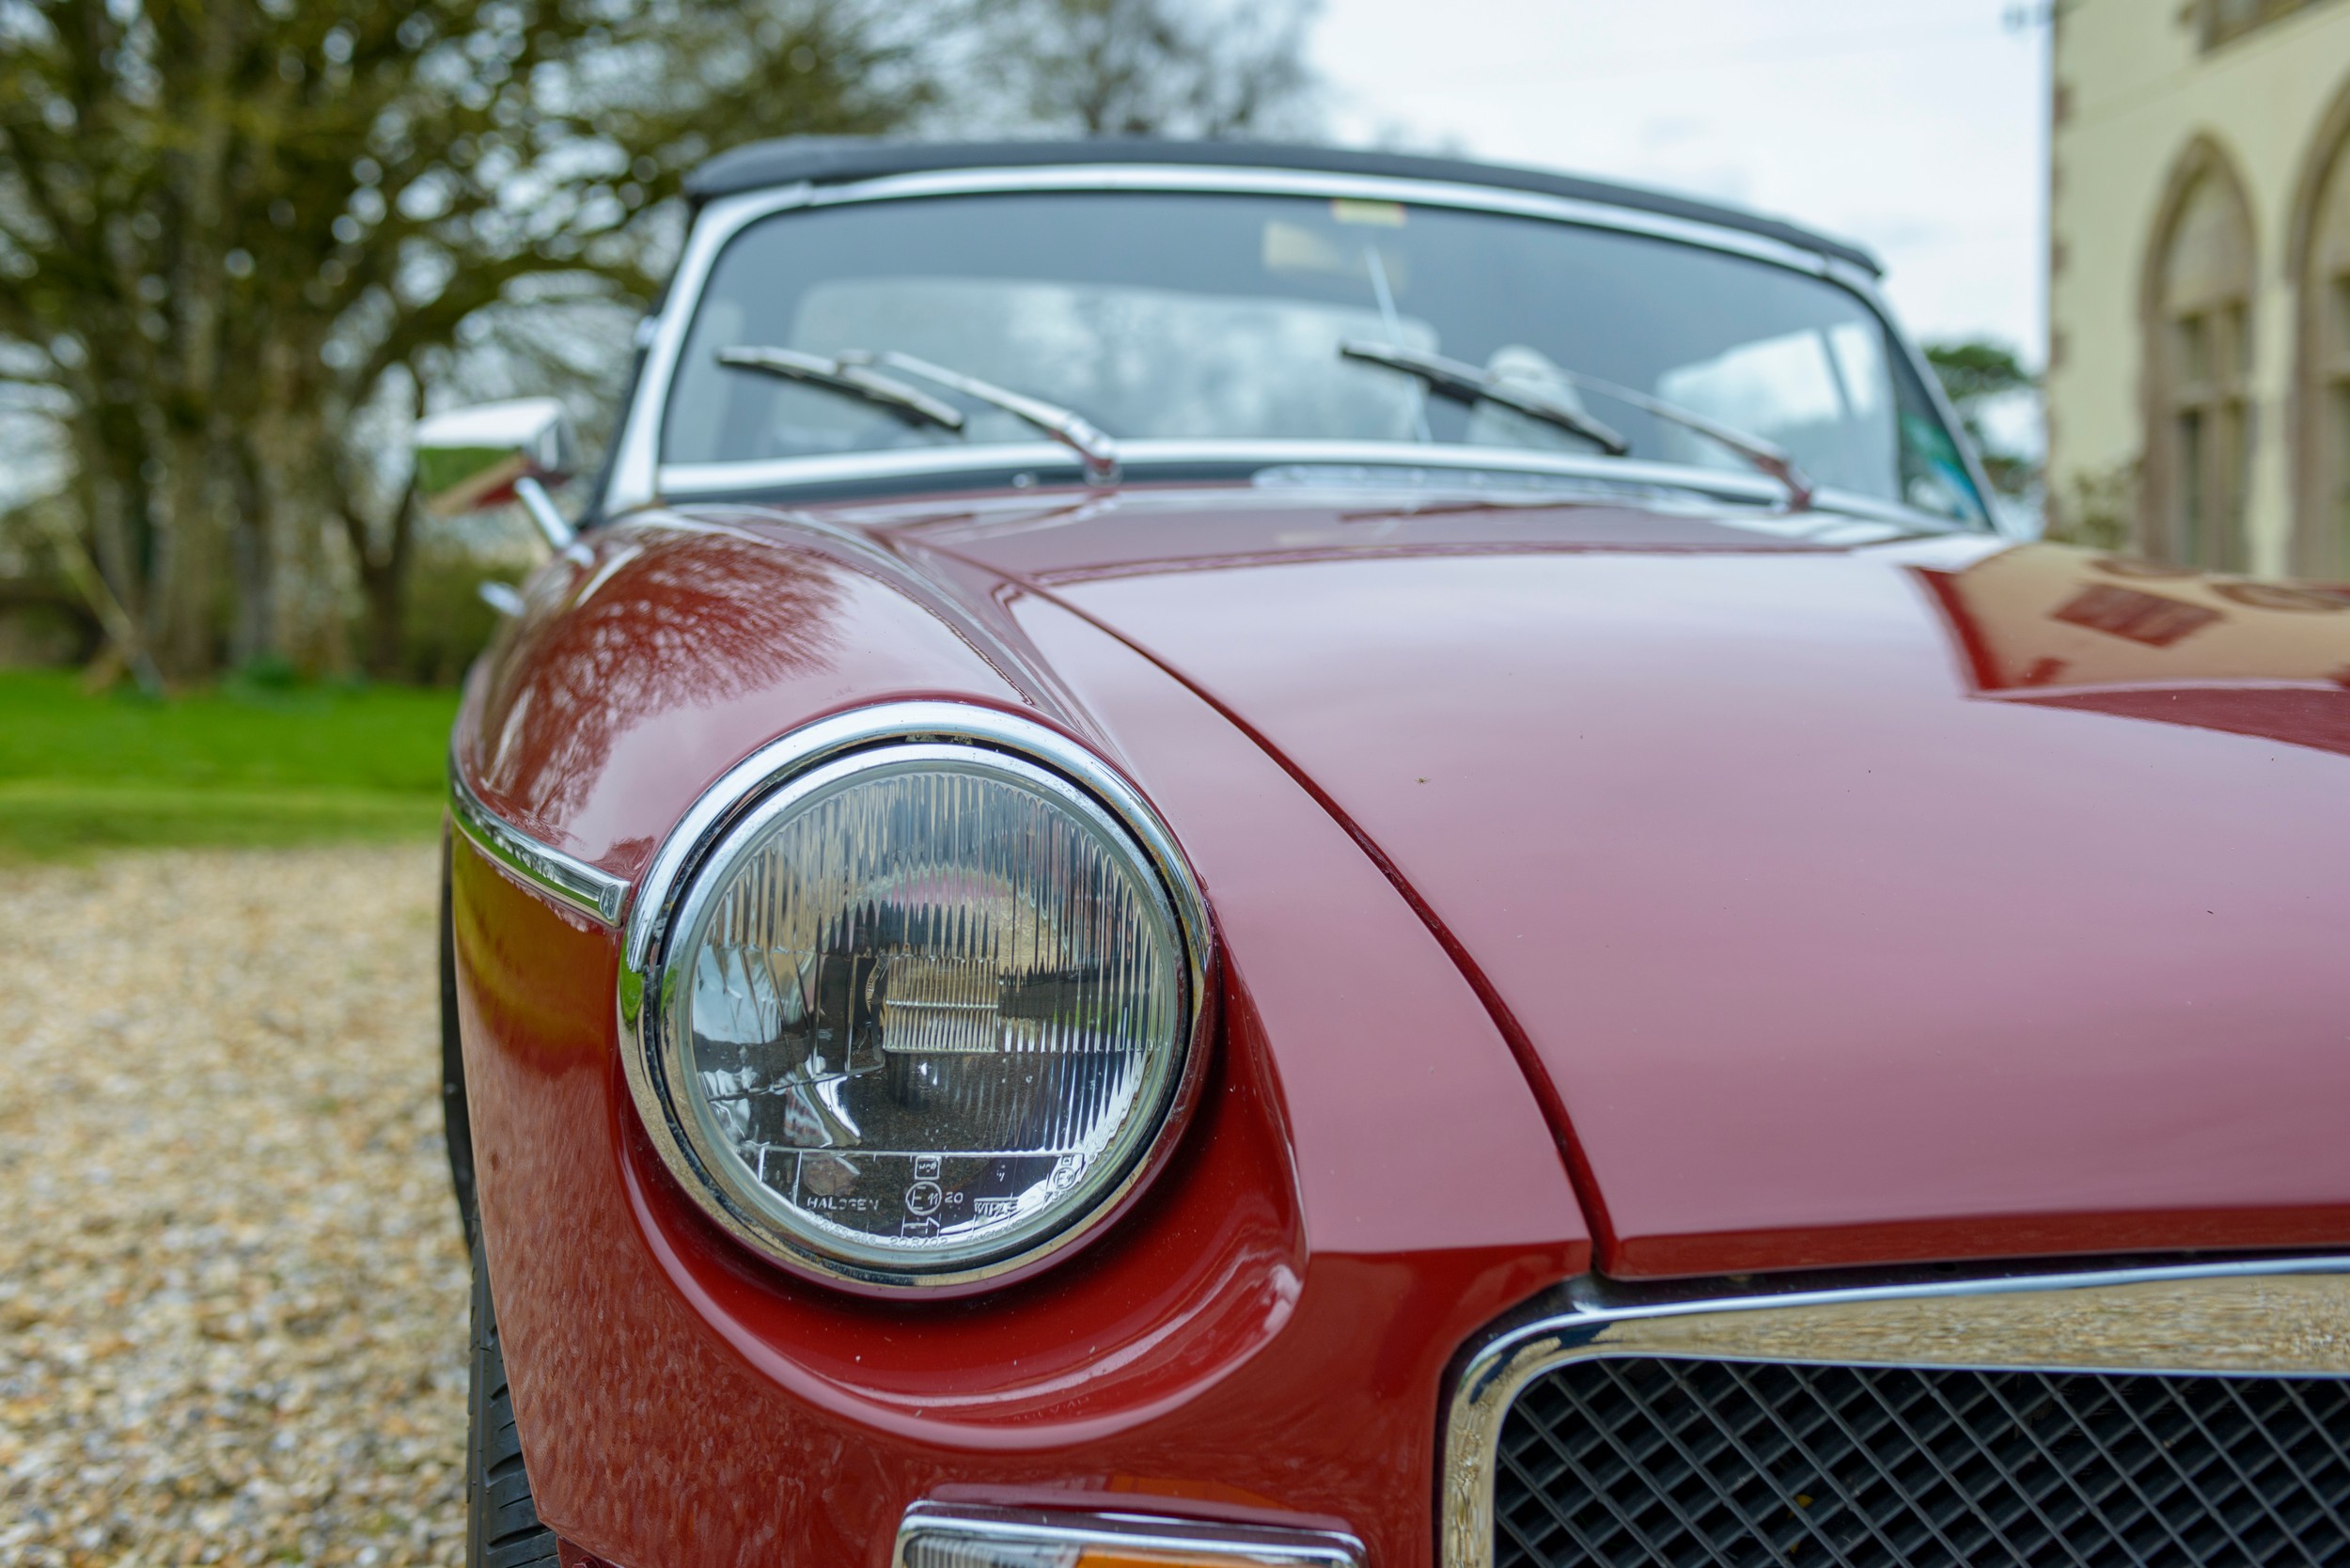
2198, 353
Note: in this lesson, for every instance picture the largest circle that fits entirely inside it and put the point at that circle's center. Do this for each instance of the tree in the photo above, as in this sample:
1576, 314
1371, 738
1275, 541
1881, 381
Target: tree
1976, 375
228, 229
1163, 68
242, 241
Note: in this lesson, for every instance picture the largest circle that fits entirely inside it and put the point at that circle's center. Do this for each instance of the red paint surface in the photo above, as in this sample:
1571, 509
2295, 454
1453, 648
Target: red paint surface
1831, 959
1365, 1182
637, 675
1827, 955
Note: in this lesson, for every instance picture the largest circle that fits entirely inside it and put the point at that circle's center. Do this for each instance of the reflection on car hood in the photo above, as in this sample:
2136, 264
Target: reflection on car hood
1847, 896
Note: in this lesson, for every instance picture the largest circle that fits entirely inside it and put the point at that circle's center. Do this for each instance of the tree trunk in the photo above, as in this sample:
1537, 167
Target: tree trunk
250, 618
197, 49
184, 611
381, 557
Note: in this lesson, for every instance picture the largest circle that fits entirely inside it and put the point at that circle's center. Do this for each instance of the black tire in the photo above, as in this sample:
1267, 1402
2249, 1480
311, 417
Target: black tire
502, 1528
455, 1119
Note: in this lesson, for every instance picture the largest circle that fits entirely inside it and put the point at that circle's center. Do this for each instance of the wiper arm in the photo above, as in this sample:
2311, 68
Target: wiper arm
1769, 457
843, 375
851, 371
1073, 429
1467, 384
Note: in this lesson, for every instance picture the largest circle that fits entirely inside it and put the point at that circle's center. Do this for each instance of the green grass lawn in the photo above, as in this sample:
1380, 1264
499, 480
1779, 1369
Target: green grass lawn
242, 765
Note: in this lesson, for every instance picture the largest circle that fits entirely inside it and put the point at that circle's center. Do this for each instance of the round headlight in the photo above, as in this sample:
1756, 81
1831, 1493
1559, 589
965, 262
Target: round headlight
924, 1011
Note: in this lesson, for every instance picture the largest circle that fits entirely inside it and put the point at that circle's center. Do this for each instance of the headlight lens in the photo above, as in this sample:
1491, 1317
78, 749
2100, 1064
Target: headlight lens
926, 1009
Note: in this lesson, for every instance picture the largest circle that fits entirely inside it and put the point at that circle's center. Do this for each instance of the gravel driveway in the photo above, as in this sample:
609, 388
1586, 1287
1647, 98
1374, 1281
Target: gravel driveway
232, 1289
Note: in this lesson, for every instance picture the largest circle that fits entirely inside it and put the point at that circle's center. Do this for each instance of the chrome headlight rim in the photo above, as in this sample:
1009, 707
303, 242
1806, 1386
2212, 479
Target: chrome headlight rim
689, 866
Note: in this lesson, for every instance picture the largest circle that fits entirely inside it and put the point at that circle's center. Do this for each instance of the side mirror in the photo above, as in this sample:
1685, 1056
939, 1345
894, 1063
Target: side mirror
482, 456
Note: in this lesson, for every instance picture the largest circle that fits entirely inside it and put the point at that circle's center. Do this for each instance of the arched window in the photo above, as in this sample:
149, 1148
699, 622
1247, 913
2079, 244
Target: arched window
2199, 363
2321, 265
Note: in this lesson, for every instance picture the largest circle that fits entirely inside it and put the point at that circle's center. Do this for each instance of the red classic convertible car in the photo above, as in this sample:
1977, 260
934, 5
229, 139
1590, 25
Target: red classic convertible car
1215, 855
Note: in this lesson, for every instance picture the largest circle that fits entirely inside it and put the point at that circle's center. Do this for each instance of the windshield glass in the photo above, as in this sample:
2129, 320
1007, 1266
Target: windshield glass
1189, 315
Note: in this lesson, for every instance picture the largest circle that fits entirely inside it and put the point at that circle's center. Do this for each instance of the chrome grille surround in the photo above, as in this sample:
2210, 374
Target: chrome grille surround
2272, 1317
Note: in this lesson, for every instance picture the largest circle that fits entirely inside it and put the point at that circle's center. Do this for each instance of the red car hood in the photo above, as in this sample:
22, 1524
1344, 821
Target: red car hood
1925, 901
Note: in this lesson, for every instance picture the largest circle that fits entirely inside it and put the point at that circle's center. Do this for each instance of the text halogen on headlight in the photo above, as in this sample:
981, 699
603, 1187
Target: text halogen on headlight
927, 1010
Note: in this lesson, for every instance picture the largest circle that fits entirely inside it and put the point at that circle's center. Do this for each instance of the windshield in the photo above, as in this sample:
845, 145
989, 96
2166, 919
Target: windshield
1190, 316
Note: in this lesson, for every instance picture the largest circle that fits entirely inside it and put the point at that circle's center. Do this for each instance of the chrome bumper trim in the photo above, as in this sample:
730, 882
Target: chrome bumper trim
2270, 1316
1120, 1533
574, 884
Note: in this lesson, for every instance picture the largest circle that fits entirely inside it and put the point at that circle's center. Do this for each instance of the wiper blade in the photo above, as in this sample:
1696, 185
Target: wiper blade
1467, 384
851, 371
1073, 429
910, 403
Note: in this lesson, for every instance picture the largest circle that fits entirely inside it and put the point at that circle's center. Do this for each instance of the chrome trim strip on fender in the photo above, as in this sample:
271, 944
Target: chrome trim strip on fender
637, 477
767, 773
574, 884
2268, 1316
1122, 1535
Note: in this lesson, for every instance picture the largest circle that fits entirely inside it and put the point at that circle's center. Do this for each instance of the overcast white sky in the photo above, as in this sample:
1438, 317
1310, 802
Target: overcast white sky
1915, 127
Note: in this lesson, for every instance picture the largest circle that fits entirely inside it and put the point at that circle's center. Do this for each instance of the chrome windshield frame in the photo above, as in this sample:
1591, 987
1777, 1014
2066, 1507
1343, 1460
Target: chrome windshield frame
637, 477
2274, 1317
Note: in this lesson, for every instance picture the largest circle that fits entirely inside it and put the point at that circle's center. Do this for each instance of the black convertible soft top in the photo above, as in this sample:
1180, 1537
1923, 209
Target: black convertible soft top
837, 160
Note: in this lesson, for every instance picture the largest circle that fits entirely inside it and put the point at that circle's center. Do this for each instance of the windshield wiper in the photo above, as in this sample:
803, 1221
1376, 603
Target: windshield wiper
849, 371
1767, 456
1467, 384
1073, 429
910, 403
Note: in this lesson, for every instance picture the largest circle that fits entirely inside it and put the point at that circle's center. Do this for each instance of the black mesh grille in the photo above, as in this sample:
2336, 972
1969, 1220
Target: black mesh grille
1664, 1461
